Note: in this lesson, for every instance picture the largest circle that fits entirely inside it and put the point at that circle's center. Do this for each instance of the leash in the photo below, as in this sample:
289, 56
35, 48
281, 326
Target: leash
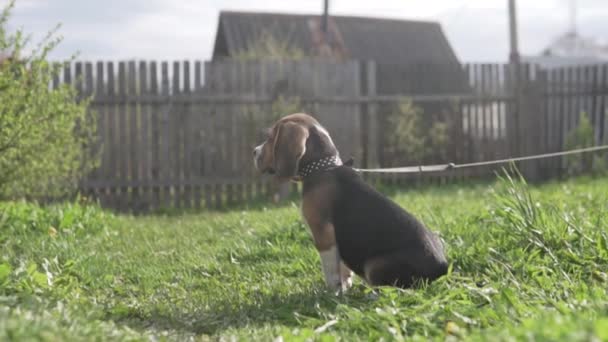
452, 166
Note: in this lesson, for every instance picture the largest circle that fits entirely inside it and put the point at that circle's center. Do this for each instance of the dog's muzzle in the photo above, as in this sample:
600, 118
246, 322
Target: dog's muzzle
257, 157
257, 153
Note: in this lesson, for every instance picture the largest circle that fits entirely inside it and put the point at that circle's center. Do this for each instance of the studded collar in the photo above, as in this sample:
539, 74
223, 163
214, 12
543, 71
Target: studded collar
319, 165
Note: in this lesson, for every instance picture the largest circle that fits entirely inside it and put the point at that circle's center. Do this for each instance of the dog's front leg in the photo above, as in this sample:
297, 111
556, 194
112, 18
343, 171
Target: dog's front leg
330, 263
337, 276
325, 242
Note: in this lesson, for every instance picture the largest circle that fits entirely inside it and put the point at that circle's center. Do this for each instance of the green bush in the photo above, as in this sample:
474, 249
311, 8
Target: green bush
43, 131
408, 136
581, 137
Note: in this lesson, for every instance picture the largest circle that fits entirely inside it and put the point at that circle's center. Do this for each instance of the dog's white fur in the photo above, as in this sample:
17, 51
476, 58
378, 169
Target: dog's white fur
337, 275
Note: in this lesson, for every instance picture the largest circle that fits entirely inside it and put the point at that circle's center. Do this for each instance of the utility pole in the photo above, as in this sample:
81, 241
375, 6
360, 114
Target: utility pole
324, 22
514, 55
515, 128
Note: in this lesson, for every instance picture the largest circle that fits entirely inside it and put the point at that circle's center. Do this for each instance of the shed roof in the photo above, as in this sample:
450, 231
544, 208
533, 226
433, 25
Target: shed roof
387, 41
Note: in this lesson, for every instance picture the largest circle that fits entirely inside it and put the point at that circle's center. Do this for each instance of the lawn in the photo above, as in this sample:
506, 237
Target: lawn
526, 263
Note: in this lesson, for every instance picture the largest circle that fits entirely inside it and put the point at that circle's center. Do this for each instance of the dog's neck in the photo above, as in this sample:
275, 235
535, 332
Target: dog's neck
319, 165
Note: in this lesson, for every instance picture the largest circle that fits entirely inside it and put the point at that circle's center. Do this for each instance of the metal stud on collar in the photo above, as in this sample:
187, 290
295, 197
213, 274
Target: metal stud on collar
322, 164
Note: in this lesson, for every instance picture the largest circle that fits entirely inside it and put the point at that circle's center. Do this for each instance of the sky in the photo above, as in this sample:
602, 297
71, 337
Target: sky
185, 29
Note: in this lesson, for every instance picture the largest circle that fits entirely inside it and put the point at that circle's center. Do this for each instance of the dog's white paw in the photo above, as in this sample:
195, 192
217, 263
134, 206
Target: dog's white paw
347, 283
346, 277
340, 287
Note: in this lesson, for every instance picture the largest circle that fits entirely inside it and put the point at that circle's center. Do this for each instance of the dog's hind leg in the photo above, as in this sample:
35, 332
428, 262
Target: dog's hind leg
390, 270
401, 269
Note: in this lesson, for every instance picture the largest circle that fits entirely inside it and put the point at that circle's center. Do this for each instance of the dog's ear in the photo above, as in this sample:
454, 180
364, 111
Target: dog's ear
289, 147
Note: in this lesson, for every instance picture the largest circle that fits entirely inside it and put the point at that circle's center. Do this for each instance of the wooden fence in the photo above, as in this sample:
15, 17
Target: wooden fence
180, 134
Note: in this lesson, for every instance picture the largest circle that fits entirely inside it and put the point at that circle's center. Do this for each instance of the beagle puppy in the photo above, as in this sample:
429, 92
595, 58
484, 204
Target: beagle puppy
354, 227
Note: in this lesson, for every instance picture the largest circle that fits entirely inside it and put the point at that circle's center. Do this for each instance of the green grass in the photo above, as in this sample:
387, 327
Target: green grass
527, 263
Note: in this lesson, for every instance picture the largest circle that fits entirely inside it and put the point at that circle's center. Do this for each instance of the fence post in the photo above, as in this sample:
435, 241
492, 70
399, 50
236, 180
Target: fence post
530, 110
369, 117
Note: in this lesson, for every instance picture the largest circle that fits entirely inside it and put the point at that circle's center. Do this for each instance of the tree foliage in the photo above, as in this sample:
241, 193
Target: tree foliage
44, 131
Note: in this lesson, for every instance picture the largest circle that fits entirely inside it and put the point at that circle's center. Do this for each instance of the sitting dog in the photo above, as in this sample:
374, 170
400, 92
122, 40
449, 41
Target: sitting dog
354, 227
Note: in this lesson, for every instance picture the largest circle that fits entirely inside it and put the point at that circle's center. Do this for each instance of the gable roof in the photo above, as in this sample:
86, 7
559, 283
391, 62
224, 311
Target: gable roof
387, 41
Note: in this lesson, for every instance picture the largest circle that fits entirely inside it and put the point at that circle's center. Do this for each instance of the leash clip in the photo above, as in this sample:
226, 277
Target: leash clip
349, 162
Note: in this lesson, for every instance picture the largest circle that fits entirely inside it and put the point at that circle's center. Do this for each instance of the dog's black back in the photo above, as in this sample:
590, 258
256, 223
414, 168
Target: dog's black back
369, 226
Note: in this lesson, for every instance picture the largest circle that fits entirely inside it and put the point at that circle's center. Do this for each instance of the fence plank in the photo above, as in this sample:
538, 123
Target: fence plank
542, 122
133, 137
486, 85
197, 124
557, 114
87, 92
574, 98
187, 136
230, 152
145, 116
123, 136
155, 113
206, 131
220, 164
100, 149
176, 137
166, 134
111, 170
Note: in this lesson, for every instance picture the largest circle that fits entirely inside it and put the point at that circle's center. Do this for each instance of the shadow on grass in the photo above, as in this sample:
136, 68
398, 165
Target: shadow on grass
269, 309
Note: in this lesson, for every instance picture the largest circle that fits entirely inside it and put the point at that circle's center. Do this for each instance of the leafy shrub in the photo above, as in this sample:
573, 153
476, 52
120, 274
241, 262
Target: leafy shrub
409, 137
580, 137
43, 131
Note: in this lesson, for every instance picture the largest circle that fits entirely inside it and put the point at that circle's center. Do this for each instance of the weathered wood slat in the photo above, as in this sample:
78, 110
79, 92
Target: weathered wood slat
553, 122
123, 134
110, 145
562, 120
134, 153
144, 134
573, 103
197, 124
219, 133
100, 149
155, 122
187, 136
92, 116
166, 135
227, 116
177, 115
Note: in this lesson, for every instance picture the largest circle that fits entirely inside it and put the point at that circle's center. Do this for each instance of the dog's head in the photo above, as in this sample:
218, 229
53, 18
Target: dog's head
292, 141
